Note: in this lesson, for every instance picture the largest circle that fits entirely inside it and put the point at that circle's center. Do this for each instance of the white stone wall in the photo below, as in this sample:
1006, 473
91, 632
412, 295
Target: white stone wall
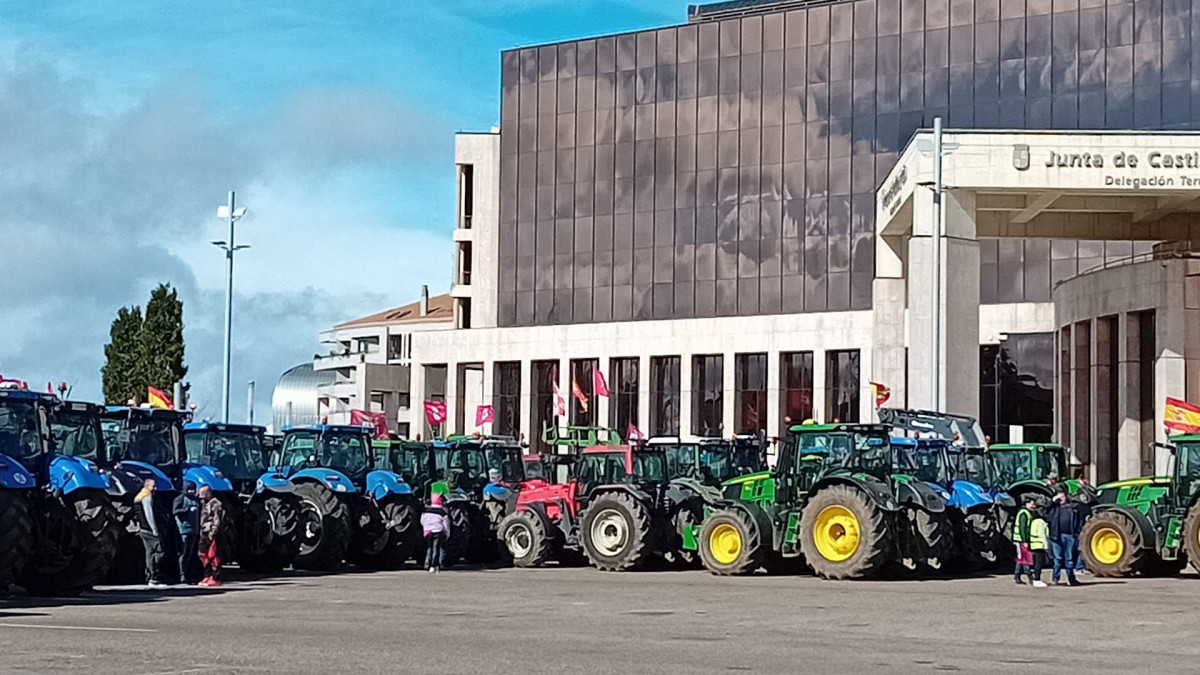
482, 150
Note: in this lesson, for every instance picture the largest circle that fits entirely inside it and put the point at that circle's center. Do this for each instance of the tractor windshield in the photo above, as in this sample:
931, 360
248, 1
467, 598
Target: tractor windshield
681, 460
926, 463
236, 454
340, 451
972, 467
1187, 467
76, 433
19, 437
1050, 464
857, 451
649, 467
151, 441
409, 462
472, 462
1012, 466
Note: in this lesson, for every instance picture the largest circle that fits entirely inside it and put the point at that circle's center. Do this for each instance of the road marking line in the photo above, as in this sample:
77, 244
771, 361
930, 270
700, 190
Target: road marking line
103, 629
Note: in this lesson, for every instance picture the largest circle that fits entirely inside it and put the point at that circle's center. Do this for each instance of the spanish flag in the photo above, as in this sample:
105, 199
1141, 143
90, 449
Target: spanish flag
881, 393
157, 399
1181, 416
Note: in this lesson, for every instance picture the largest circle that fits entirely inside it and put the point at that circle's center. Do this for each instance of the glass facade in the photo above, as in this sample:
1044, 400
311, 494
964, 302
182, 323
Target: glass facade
506, 388
841, 386
1016, 380
708, 395
796, 387
664, 396
543, 375
623, 388
750, 393
728, 167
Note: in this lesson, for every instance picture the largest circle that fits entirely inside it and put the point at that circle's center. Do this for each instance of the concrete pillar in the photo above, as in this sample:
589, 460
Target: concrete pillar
1170, 368
958, 350
1128, 383
602, 403
729, 394
416, 401
685, 394
773, 423
888, 365
489, 393
452, 400
643, 416
526, 416
819, 392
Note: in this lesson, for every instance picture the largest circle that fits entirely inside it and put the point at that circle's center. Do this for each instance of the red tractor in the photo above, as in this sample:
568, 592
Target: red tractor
614, 508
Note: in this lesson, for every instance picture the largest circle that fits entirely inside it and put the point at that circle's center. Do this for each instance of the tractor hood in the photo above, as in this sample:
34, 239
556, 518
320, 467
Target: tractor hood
753, 487
1131, 482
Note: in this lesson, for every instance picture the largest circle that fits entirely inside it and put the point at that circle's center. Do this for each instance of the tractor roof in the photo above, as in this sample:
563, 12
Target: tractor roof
1024, 446
26, 395
334, 428
903, 441
221, 426
606, 449
1184, 438
152, 413
841, 426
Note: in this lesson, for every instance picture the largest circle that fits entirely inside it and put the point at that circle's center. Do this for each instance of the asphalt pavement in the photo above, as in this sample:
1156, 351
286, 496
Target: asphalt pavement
580, 620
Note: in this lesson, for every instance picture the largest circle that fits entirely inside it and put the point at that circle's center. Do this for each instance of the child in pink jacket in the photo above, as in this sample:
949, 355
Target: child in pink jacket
436, 524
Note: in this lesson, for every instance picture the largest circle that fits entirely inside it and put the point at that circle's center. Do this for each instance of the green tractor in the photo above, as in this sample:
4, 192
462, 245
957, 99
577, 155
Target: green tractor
1034, 468
831, 501
1148, 525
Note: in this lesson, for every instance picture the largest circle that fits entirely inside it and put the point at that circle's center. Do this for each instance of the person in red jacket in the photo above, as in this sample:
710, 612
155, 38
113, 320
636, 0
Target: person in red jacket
213, 539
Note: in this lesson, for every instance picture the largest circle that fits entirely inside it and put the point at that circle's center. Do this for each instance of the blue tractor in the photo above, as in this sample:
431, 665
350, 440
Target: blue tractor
349, 510
948, 454
57, 528
266, 513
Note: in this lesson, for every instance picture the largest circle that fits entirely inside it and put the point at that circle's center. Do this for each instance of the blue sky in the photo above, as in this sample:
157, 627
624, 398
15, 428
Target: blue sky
123, 125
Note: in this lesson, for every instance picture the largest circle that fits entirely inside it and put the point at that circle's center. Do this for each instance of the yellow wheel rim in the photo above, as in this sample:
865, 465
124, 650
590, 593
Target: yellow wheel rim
837, 533
725, 542
1107, 545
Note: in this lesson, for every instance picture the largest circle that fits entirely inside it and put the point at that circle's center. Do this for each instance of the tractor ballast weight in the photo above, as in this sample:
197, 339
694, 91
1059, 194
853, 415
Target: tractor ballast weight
57, 530
349, 509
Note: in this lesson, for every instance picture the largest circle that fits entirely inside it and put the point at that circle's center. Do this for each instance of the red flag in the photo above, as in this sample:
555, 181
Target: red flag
435, 412
882, 393
373, 420
598, 383
49, 388
579, 395
634, 434
484, 414
560, 404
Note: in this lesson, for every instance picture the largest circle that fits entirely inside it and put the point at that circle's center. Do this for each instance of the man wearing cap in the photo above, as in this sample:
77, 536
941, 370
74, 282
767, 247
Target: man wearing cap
186, 510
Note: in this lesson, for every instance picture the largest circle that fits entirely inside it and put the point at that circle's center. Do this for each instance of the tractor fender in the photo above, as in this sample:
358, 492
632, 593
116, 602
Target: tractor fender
330, 478
1149, 536
879, 492
142, 471
680, 490
921, 495
69, 474
640, 495
273, 482
1026, 486
965, 495
1003, 499
760, 518
207, 475
13, 474
384, 484
539, 509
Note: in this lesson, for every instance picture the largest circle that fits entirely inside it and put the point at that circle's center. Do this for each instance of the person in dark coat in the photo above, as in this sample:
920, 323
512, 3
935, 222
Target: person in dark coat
186, 510
1066, 522
150, 531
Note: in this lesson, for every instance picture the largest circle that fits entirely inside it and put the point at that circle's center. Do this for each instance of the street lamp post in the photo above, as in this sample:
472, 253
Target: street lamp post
231, 215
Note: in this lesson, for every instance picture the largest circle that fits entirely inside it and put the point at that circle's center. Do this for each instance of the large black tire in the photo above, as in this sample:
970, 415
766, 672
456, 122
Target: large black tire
688, 514
270, 533
985, 543
16, 536
730, 543
483, 546
841, 511
393, 539
934, 538
461, 530
129, 564
1111, 545
325, 528
89, 547
526, 539
1191, 536
616, 532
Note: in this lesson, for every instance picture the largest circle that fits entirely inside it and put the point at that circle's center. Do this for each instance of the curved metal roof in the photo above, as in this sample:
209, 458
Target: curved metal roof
294, 402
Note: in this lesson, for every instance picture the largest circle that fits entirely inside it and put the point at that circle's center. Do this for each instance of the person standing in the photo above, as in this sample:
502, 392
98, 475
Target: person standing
436, 524
1022, 527
150, 532
1065, 525
213, 529
187, 518
1039, 542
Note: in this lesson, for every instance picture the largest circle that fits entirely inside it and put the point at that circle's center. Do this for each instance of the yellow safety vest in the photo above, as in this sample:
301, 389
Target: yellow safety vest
1039, 534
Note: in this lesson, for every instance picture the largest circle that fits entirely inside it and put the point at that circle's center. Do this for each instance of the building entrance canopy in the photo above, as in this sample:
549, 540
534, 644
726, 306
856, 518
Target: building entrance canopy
1061, 185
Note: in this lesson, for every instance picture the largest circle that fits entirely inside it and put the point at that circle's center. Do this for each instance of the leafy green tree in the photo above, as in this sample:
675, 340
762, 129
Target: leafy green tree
121, 372
162, 340
145, 351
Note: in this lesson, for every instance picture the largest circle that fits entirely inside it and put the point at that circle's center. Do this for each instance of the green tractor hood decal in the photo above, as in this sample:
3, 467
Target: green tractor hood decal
755, 487
1130, 482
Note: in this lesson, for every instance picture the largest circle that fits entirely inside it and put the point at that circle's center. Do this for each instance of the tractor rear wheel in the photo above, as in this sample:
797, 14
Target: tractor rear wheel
730, 543
325, 527
616, 532
88, 548
933, 536
843, 534
461, 530
1191, 535
16, 536
1111, 544
270, 533
392, 538
129, 565
526, 539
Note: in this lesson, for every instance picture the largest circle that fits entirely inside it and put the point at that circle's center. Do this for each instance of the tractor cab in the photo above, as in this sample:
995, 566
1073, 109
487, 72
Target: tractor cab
76, 427
925, 459
235, 450
144, 444
712, 461
1185, 469
343, 449
815, 450
411, 460
620, 464
1023, 468
469, 460
25, 435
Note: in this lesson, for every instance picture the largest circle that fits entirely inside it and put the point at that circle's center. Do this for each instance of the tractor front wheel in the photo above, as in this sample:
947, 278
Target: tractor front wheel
16, 536
89, 551
730, 543
1111, 544
270, 533
616, 532
843, 534
391, 536
325, 527
524, 536
933, 537
1191, 536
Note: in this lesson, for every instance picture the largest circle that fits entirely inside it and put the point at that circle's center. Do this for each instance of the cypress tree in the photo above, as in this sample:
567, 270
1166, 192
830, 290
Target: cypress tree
121, 372
162, 347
